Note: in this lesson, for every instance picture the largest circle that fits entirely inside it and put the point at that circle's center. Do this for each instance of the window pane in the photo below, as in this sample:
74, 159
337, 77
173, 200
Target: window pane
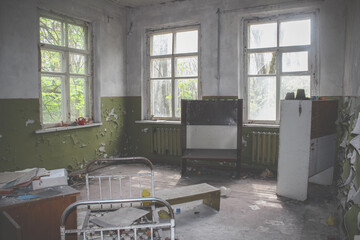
77, 98
161, 44
76, 37
51, 99
262, 63
295, 33
51, 61
185, 89
77, 63
293, 83
186, 42
161, 98
186, 66
262, 35
51, 31
262, 98
295, 61
160, 68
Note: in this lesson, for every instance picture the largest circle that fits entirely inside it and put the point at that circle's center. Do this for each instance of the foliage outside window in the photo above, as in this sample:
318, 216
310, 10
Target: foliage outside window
65, 70
279, 58
173, 70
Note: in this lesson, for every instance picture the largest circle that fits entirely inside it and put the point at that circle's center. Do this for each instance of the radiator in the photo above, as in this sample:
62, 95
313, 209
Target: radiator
166, 141
265, 148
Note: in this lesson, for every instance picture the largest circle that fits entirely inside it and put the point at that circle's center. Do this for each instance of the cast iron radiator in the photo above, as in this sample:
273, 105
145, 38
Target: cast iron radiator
166, 141
265, 149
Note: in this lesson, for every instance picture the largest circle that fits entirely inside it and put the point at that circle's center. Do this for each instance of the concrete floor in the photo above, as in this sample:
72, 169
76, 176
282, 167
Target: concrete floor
252, 210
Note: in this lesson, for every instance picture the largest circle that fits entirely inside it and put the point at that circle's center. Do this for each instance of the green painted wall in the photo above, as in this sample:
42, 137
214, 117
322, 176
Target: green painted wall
21, 147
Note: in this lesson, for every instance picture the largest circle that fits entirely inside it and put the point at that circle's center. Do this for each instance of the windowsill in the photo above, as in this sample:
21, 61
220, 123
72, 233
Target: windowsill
168, 122
162, 122
262, 125
60, 129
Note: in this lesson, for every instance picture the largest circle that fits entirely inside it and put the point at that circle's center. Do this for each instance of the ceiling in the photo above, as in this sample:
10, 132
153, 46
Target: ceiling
141, 3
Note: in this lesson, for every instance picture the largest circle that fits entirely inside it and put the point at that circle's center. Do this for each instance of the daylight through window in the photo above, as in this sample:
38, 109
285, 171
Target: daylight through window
65, 70
279, 58
173, 71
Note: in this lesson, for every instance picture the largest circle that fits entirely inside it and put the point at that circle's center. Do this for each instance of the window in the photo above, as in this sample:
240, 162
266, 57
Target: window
65, 69
173, 70
279, 58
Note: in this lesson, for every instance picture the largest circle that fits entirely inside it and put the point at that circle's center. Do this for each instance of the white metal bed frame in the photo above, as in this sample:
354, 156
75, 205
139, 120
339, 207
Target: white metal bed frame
117, 197
102, 232
121, 178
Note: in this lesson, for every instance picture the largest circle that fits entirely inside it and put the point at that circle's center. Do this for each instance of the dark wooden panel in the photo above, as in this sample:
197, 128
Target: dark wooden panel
324, 116
211, 112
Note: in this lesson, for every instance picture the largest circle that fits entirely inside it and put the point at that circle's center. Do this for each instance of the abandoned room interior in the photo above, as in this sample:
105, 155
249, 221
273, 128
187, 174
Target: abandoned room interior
179, 119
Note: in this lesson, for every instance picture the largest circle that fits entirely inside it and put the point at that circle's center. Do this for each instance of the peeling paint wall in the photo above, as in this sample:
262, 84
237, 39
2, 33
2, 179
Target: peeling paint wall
21, 147
349, 163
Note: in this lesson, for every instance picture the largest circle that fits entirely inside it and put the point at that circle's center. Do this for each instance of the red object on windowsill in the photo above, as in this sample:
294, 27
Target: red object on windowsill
81, 121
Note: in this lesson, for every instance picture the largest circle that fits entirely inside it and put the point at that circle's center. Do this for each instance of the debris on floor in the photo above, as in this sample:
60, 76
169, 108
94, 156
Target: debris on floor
266, 174
163, 214
330, 221
224, 191
254, 207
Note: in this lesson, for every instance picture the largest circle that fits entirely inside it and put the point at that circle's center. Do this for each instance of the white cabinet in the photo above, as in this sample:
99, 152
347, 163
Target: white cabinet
307, 149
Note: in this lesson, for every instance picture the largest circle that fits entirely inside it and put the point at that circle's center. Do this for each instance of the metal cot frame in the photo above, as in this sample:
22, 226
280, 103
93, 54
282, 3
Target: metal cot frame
110, 179
169, 225
119, 196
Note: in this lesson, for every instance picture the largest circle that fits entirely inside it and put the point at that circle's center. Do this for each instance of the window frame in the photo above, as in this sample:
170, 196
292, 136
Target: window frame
65, 72
313, 54
173, 78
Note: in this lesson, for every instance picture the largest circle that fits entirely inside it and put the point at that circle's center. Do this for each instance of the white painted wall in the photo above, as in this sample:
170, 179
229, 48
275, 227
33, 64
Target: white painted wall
19, 38
352, 56
331, 32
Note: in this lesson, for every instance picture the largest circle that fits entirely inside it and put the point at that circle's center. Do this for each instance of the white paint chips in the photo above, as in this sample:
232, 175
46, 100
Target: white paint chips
112, 113
29, 121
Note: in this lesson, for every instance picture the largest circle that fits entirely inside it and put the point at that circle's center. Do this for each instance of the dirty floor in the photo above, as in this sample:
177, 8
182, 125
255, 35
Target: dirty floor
250, 210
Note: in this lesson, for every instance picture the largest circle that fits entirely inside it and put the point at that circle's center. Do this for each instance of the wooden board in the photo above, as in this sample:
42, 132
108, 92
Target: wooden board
209, 194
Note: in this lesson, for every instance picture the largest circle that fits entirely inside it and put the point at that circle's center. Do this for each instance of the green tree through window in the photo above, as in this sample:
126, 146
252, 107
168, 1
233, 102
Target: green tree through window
65, 69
